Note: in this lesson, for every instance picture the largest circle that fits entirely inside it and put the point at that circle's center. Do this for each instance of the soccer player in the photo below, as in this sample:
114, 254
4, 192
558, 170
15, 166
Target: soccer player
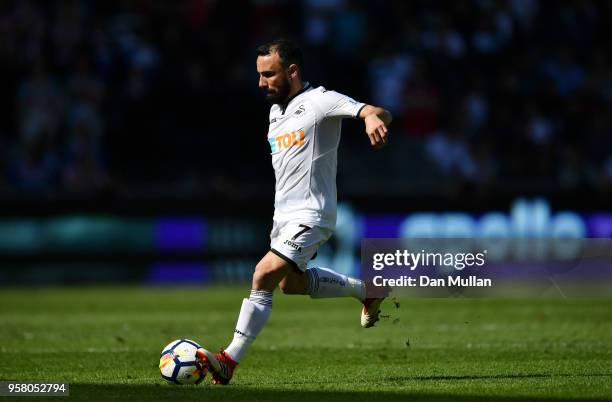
304, 134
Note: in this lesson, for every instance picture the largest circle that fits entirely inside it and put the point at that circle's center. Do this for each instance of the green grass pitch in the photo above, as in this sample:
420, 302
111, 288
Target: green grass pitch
106, 342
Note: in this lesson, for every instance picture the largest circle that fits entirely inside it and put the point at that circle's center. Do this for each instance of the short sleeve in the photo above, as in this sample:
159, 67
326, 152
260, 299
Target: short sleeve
334, 104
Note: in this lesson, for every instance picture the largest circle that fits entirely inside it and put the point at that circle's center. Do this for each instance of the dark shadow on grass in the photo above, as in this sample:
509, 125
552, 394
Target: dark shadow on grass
208, 393
489, 377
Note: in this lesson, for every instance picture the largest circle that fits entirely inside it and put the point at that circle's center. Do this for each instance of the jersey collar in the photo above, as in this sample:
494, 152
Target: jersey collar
301, 91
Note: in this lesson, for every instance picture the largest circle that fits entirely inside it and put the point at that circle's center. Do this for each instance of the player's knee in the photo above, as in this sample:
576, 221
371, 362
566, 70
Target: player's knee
286, 287
260, 277
293, 285
265, 275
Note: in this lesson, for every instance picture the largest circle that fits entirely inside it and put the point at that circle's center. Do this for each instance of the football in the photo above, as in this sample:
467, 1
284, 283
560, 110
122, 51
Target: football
178, 363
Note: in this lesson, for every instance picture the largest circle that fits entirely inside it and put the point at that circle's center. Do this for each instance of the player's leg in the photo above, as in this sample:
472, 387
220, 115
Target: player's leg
294, 283
319, 282
334, 284
253, 316
325, 282
256, 309
297, 243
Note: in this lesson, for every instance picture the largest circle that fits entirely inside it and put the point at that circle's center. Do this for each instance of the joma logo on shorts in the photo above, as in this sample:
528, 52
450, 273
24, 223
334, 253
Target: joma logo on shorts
293, 245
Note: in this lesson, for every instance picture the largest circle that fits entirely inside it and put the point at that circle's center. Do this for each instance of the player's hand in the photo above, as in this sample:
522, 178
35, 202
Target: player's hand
376, 130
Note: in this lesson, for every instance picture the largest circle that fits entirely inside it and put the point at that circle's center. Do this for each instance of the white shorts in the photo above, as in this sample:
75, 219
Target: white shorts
297, 243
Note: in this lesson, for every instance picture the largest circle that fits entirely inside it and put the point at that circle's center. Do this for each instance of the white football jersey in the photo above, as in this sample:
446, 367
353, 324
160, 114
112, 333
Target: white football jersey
304, 135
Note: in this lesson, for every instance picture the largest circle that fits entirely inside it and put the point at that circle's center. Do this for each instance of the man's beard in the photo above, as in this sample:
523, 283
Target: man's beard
280, 96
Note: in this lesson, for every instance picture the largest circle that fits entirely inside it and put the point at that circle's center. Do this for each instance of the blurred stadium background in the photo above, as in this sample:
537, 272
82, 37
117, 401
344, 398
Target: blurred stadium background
132, 133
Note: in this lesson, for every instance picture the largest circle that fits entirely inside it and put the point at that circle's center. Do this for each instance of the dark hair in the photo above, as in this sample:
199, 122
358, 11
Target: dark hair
289, 52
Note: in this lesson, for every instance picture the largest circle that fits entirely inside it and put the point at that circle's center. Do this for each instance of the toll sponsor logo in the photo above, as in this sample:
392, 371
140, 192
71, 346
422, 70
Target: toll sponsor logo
286, 141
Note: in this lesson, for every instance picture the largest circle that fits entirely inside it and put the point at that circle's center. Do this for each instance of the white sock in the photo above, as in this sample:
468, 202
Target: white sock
253, 316
324, 282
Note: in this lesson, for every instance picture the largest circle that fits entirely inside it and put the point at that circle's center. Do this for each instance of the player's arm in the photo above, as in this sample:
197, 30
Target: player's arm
376, 121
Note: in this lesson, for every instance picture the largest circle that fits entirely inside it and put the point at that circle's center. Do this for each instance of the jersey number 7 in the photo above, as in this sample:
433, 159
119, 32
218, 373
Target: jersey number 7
301, 232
